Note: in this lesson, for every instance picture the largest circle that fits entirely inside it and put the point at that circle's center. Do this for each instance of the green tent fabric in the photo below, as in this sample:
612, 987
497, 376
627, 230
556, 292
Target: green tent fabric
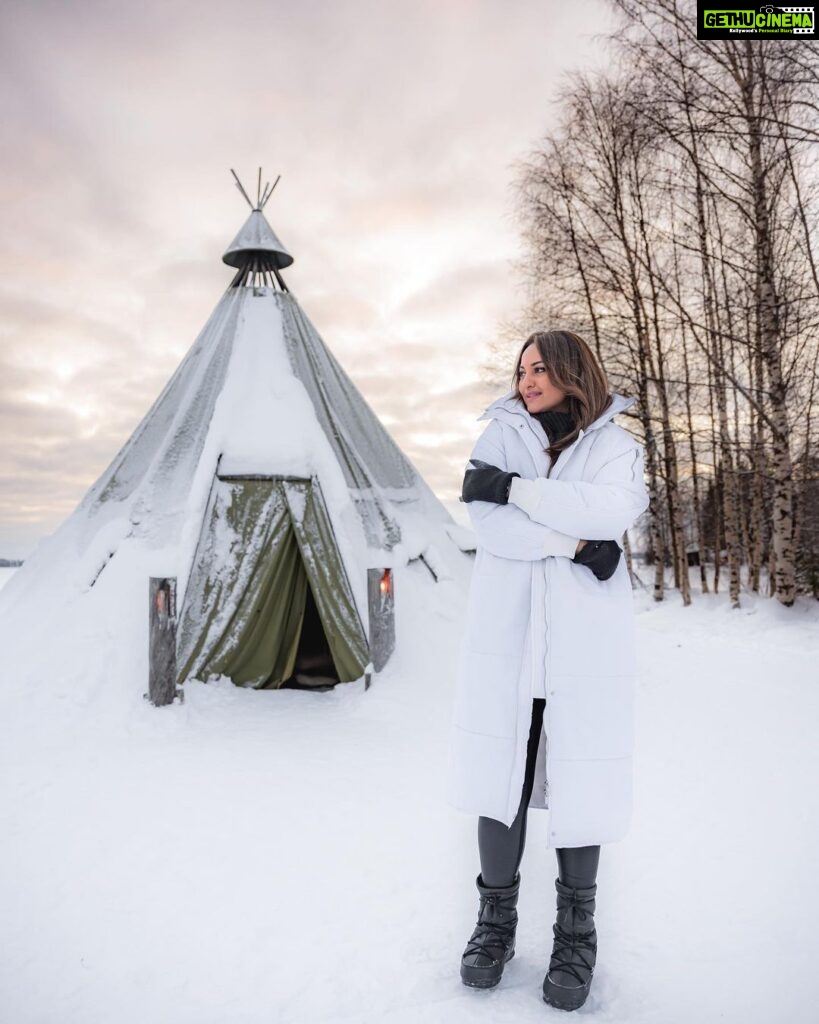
264, 541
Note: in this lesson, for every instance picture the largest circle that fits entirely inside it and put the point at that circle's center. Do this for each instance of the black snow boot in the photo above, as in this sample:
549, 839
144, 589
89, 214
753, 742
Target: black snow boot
569, 977
493, 940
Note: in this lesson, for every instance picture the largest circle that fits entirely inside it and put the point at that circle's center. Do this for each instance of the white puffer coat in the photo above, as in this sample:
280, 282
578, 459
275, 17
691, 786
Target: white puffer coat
539, 623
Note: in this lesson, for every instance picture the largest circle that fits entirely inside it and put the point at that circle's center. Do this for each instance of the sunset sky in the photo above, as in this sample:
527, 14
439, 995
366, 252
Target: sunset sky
395, 129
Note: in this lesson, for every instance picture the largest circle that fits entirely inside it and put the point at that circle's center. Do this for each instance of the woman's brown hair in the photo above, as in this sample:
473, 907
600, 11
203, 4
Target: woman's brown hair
572, 367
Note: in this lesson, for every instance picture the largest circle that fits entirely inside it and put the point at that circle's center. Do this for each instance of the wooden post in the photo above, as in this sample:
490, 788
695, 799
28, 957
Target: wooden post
162, 639
382, 616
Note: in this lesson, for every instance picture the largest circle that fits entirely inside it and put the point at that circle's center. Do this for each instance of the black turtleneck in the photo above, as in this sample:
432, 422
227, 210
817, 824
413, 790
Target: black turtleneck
556, 424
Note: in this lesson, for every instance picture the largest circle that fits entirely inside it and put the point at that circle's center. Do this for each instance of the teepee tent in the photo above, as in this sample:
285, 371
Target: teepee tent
262, 482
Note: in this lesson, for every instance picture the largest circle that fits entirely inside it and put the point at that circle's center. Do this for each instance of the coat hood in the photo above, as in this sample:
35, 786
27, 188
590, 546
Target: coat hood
511, 409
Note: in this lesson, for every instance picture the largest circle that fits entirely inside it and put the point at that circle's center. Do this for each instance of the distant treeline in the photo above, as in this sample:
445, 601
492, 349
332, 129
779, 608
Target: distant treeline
671, 218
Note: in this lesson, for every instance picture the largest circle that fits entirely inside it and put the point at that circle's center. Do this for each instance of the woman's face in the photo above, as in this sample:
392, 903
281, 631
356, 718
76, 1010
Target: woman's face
536, 390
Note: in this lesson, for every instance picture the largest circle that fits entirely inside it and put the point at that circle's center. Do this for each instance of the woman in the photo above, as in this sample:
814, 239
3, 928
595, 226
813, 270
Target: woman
543, 713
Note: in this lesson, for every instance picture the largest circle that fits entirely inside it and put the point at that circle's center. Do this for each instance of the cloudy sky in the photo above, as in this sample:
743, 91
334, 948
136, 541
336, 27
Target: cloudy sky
396, 129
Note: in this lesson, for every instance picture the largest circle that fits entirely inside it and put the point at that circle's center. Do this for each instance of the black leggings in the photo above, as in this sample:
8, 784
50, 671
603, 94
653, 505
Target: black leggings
501, 848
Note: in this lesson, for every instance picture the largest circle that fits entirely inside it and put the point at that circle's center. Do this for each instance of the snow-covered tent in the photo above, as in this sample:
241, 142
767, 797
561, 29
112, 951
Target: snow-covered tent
263, 482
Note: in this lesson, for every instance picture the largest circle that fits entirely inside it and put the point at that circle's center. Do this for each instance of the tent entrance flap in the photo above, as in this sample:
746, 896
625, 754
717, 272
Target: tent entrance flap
268, 598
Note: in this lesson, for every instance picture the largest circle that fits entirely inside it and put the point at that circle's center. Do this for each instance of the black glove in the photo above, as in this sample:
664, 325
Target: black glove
486, 483
601, 556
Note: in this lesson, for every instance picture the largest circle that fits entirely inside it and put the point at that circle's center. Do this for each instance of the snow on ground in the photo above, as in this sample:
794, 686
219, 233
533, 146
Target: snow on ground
6, 572
286, 856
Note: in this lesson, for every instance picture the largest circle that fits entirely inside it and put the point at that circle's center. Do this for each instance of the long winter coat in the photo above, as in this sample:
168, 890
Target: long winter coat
538, 622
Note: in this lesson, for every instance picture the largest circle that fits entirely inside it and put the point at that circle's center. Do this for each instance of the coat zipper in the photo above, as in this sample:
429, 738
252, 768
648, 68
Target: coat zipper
561, 460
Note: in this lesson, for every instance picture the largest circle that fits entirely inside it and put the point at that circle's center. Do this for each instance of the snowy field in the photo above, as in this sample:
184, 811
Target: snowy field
257, 857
